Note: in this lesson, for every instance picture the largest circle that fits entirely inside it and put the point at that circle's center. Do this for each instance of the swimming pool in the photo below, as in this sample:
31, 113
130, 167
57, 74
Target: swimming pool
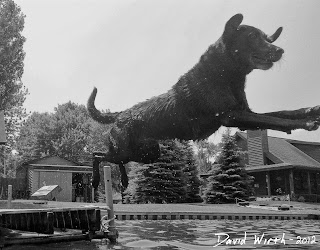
203, 235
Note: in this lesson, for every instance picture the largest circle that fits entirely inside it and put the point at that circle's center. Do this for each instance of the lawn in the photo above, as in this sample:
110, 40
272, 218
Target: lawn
297, 207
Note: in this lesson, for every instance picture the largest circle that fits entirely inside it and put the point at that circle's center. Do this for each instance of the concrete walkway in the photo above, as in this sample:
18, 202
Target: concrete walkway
208, 212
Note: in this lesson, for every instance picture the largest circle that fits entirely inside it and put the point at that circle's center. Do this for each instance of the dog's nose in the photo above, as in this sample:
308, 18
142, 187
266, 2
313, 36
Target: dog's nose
277, 54
279, 51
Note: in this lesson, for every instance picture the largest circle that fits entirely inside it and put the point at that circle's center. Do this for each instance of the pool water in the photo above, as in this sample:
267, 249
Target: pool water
203, 235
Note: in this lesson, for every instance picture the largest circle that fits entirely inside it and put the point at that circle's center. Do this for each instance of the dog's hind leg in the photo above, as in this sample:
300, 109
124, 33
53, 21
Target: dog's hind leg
95, 176
124, 177
98, 157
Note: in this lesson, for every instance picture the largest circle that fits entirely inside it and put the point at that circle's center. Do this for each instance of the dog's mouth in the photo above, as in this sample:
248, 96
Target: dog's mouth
262, 62
260, 59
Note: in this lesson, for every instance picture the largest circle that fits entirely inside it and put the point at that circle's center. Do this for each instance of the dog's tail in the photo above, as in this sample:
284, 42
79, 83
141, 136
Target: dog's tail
105, 118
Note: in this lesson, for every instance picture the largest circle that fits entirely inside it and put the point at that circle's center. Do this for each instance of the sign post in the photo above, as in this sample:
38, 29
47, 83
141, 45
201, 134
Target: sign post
2, 129
3, 139
9, 205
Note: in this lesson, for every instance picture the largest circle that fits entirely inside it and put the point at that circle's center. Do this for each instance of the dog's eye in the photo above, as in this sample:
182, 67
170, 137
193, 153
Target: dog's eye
253, 35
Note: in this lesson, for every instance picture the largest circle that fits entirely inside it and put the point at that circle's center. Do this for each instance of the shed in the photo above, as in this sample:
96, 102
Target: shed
72, 177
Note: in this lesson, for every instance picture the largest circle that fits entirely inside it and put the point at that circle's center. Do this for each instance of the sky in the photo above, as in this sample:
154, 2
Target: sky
133, 50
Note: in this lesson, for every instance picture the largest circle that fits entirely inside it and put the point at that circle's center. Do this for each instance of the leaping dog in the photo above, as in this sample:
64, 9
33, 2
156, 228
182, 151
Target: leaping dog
210, 95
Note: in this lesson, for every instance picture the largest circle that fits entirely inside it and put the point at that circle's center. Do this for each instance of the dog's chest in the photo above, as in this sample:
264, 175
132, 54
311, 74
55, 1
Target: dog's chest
217, 96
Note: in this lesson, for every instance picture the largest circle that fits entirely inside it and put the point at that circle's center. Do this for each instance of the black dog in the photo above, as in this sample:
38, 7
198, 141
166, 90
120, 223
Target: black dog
210, 95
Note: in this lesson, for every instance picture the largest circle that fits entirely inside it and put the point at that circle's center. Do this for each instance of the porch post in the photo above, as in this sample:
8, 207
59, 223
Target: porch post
309, 182
268, 183
291, 182
92, 194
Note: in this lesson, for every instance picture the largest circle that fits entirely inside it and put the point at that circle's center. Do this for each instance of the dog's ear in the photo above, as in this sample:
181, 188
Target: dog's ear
232, 25
275, 36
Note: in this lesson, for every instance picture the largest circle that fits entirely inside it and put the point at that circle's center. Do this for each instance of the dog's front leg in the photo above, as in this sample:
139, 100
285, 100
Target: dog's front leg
248, 120
303, 113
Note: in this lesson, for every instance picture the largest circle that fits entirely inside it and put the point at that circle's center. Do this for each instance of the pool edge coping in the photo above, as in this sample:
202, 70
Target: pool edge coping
125, 215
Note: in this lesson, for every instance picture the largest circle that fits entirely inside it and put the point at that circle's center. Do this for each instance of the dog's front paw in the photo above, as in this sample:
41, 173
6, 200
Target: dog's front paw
312, 125
314, 111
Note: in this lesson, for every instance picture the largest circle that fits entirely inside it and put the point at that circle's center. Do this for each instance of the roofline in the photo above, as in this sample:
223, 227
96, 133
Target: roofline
68, 170
287, 139
271, 167
303, 142
69, 166
238, 133
282, 166
273, 158
29, 162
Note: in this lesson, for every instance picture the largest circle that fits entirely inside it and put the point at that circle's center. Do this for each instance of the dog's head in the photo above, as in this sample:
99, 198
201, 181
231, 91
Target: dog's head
251, 47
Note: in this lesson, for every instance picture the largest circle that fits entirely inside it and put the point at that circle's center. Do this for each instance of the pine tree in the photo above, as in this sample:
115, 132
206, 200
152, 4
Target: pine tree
229, 179
191, 172
160, 182
135, 174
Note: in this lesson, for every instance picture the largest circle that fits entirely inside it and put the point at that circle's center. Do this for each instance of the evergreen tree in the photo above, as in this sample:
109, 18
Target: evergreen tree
191, 172
229, 179
160, 182
135, 193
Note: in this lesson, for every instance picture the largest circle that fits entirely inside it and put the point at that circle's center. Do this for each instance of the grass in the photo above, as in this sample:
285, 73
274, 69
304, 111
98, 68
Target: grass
297, 207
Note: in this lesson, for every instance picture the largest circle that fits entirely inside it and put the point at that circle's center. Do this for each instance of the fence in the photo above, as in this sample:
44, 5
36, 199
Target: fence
19, 188
308, 197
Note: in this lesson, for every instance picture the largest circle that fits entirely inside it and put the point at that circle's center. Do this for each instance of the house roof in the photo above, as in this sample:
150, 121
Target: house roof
50, 161
288, 153
283, 150
46, 167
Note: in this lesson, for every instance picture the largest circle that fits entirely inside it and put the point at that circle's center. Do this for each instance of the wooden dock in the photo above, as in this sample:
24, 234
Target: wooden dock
45, 225
50, 225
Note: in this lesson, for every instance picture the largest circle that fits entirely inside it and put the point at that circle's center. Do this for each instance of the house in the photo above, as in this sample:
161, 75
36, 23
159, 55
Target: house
291, 166
72, 177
